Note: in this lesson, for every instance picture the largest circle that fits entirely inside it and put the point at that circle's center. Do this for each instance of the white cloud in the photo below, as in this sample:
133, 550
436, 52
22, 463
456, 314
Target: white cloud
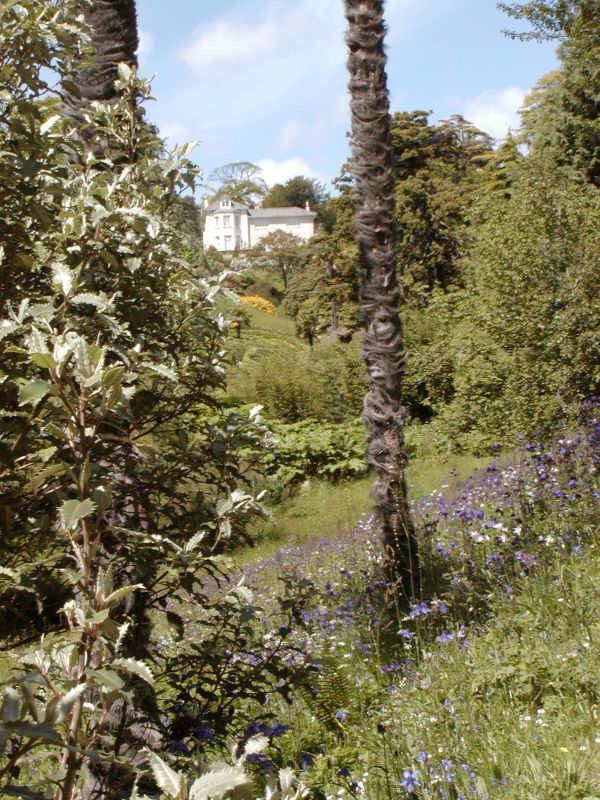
496, 112
281, 171
231, 42
146, 43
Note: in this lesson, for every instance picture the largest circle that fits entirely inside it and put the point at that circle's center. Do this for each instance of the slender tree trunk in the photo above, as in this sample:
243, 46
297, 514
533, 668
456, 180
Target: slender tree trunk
380, 296
334, 314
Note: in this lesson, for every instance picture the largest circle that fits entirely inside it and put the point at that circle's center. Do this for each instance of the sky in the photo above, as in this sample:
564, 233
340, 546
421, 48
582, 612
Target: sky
265, 80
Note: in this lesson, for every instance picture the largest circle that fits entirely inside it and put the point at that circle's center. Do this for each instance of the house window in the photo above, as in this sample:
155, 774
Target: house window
227, 240
227, 221
217, 219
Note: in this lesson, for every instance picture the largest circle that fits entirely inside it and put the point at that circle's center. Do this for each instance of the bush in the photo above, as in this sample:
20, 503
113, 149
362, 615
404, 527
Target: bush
310, 449
293, 383
260, 303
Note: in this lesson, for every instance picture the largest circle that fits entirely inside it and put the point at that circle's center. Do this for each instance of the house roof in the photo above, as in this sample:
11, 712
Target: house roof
217, 207
281, 211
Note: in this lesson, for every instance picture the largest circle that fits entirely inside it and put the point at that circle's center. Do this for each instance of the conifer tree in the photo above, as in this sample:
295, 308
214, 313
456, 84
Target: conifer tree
380, 295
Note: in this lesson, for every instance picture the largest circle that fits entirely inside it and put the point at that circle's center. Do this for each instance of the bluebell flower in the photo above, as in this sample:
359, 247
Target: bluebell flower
306, 761
203, 732
178, 747
410, 780
419, 610
261, 761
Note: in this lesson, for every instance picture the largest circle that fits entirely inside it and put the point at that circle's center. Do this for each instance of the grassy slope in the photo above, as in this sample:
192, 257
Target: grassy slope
328, 510
497, 696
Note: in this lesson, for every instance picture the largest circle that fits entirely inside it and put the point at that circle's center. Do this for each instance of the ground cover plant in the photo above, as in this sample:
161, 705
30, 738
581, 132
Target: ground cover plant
488, 686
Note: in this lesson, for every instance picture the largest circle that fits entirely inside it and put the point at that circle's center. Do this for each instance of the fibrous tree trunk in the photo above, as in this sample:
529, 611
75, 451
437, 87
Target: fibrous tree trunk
380, 295
113, 28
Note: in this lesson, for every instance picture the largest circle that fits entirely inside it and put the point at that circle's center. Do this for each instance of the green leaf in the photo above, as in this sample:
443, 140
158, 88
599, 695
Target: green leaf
88, 298
31, 393
113, 375
217, 783
73, 511
119, 594
135, 668
32, 731
63, 278
43, 475
7, 327
169, 781
66, 703
22, 791
124, 71
11, 705
106, 678
160, 369
49, 123
44, 360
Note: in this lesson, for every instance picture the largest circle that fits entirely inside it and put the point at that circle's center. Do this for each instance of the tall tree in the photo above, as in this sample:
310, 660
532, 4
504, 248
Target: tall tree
380, 295
569, 112
296, 191
240, 181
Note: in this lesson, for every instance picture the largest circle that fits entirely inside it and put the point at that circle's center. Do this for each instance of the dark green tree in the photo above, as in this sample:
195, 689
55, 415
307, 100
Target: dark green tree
435, 169
568, 110
296, 191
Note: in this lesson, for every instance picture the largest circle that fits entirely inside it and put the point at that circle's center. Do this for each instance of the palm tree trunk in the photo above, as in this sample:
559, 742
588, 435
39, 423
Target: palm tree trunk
380, 296
113, 28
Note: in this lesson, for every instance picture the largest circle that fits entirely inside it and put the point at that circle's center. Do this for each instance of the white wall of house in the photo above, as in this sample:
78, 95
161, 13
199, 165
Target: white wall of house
261, 227
230, 226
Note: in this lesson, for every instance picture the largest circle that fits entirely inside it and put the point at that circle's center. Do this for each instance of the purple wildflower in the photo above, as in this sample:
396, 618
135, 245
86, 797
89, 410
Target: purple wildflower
410, 780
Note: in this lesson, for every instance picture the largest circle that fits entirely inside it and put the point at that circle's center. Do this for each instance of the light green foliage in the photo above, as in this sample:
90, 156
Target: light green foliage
310, 449
281, 252
109, 347
524, 347
292, 382
330, 274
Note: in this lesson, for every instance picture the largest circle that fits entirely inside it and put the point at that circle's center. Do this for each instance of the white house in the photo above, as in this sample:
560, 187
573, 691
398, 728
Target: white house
233, 226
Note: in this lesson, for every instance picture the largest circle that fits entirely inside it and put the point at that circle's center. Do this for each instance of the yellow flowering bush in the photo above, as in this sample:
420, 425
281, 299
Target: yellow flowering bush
260, 303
